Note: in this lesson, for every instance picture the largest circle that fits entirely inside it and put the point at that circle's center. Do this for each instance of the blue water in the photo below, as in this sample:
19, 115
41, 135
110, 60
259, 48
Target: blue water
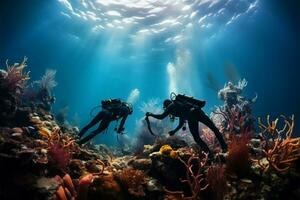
104, 49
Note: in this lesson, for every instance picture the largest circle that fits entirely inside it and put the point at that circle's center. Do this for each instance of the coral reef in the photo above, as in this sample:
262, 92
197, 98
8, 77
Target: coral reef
236, 114
40, 158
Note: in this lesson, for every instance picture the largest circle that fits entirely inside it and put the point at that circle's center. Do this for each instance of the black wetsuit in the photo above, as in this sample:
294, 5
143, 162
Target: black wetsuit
105, 116
193, 117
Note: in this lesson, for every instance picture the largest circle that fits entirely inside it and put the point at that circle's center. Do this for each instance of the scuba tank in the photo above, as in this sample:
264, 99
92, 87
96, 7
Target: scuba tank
111, 104
187, 102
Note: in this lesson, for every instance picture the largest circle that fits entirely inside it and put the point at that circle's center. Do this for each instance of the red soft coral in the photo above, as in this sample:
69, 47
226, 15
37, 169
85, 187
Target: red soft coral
238, 159
58, 156
216, 178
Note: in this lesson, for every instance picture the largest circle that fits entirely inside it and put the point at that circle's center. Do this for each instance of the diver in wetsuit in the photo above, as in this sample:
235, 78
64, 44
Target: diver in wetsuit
112, 109
192, 115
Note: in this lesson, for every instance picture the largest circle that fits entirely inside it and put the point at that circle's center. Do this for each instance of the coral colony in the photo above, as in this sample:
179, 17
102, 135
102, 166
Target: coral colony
41, 159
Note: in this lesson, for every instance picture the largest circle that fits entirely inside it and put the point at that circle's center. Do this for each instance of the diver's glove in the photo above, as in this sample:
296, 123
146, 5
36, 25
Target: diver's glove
148, 114
171, 133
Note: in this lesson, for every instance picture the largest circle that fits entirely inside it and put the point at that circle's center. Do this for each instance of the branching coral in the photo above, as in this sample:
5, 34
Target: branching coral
60, 146
194, 177
283, 150
132, 180
234, 118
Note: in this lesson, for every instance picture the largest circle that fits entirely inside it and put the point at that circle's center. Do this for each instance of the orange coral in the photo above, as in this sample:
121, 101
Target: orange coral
284, 149
66, 191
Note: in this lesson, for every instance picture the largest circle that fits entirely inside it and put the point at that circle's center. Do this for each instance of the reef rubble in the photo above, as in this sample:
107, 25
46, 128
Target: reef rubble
40, 157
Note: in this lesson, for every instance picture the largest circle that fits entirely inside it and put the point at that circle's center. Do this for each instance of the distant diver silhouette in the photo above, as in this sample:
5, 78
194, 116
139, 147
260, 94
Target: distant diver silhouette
112, 109
190, 110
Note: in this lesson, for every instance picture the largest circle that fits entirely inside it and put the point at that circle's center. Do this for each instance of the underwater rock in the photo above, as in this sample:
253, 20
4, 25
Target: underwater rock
46, 187
153, 185
77, 168
132, 180
105, 187
120, 162
17, 130
141, 164
167, 169
104, 152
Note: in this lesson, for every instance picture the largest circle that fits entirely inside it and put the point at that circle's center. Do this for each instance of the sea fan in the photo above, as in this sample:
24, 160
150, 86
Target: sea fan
151, 106
48, 80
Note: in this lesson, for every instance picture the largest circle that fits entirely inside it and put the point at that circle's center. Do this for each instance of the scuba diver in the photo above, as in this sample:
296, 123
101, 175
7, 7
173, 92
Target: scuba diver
112, 109
190, 110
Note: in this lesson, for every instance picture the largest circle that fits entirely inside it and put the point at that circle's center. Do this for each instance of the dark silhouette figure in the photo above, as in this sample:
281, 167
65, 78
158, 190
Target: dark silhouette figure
107, 115
192, 116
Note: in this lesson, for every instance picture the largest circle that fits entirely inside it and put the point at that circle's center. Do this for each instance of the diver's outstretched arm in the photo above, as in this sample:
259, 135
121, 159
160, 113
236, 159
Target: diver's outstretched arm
160, 116
180, 125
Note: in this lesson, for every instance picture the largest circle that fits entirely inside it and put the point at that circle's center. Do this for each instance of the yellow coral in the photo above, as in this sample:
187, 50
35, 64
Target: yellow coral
174, 154
44, 132
168, 151
165, 149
